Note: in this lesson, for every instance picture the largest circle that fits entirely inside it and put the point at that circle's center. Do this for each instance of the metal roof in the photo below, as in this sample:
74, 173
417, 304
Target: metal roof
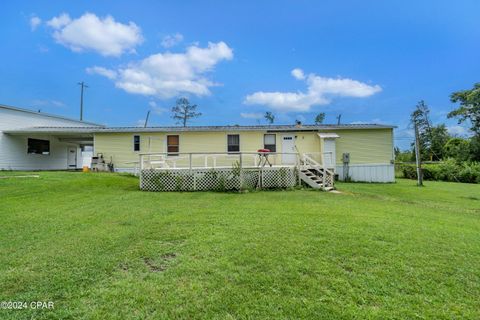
268, 128
3, 106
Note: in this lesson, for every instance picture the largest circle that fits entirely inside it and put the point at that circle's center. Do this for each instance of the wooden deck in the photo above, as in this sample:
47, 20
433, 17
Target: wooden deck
227, 171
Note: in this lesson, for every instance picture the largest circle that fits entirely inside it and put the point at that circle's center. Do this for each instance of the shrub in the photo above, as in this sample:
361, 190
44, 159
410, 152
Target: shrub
449, 170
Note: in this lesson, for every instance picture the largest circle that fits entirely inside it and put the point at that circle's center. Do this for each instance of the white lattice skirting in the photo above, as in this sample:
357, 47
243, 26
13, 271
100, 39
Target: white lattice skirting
218, 179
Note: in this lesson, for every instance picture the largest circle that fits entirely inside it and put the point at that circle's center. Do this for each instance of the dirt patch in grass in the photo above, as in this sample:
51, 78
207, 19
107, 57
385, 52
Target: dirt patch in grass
169, 256
152, 266
472, 198
161, 266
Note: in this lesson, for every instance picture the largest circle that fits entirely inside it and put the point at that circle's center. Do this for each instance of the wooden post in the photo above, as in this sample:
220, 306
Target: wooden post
417, 158
241, 171
190, 162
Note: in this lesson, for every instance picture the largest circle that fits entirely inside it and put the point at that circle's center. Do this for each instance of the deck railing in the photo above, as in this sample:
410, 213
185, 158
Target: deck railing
205, 160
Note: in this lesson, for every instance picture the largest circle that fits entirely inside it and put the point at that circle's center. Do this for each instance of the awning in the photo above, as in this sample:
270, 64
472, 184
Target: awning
328, 135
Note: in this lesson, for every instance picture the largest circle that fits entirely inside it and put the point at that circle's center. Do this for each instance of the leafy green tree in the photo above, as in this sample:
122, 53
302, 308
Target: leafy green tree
320, 118
420, 117
457, 148
402, 156
183, 111
439, 136
474, 148
432, 138
270, 117
469, 109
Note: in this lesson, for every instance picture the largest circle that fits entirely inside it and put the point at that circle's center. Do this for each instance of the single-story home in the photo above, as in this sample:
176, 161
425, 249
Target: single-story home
37, 141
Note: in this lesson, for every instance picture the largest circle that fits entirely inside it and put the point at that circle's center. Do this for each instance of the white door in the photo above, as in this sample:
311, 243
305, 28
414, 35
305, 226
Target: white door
288, 149
329, 153
72, 158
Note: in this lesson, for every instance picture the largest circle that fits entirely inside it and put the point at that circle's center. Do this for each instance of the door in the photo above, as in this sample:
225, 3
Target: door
288, 149
329, 153
72, 158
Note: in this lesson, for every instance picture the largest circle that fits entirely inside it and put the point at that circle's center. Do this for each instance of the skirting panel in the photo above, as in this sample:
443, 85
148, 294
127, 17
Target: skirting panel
368, 172
218, 179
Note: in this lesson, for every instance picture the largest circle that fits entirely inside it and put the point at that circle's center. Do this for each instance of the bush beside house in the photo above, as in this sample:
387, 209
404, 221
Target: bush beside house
449, 170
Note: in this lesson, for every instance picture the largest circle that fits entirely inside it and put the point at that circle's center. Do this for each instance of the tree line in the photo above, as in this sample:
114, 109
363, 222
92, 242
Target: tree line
436, 143
183, 112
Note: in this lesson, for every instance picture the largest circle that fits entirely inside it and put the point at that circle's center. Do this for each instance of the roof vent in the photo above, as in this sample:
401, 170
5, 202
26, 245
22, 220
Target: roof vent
298, 123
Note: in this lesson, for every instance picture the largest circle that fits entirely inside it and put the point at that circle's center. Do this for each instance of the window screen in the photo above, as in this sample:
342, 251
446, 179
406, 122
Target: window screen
136, 143
37, 146
173, 145
269, 142
233, 142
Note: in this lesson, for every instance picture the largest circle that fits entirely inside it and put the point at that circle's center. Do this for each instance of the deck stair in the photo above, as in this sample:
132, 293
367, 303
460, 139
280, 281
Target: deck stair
315, 175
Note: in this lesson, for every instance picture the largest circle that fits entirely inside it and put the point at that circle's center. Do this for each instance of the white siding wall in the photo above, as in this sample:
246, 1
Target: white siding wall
13, 148
369, 172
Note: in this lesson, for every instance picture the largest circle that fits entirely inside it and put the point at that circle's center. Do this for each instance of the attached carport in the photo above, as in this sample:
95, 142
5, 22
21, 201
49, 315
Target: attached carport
49, 148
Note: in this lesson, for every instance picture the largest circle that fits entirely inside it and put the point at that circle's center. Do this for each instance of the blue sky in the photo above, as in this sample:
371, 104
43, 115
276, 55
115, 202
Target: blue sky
370, 61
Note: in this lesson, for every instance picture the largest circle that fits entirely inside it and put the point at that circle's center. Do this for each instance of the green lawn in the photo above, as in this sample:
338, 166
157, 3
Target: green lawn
101, 249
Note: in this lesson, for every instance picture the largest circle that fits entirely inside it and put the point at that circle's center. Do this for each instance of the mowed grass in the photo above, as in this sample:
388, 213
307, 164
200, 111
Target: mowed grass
101, 249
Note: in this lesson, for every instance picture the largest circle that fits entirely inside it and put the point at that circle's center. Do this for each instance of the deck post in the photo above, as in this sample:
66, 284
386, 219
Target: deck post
298, 165
240, 177
190, 162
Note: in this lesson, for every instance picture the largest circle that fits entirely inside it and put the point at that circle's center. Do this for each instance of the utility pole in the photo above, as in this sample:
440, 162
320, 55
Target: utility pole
146, 120
338, 118
82, 86
417, 157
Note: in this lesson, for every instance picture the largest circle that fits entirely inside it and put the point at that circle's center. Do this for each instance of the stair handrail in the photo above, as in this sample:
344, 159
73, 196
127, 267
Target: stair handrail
307, 160
310, 161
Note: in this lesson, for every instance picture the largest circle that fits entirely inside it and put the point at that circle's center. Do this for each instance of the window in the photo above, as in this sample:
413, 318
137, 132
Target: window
172, 145
233, 143
136, 143
37, 146
269, 142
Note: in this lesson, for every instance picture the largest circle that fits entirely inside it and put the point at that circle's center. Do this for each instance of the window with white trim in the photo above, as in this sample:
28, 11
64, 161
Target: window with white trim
136, 143
233, 143
173, 145
270, 142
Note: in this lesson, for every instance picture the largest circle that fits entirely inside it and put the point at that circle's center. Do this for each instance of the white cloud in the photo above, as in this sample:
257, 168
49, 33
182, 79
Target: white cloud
60, 21
157, 109
166, 75
43, 49
298, 74
373, 121
110, 74
320, 91
172, 40
35, 22
251, 115
457, 130
48, 103
91, 33
140, 123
